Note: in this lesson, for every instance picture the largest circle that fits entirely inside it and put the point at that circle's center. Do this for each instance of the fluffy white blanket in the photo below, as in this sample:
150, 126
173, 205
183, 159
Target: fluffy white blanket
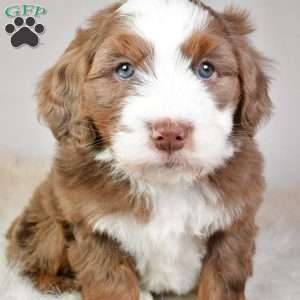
277, 262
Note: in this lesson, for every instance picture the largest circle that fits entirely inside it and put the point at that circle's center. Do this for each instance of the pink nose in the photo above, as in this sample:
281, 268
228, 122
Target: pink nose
169, 135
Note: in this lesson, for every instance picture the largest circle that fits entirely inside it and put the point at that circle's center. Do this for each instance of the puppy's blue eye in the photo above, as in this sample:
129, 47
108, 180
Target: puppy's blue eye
205, 71
125, 71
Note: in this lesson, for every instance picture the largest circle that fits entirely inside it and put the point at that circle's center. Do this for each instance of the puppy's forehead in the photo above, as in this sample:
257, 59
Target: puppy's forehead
165, 23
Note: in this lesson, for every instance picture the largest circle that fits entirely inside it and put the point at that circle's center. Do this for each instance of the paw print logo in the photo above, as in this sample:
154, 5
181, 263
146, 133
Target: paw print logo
24, 32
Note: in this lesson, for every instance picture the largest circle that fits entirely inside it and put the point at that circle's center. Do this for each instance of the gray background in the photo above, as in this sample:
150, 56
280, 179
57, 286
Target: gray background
278, 36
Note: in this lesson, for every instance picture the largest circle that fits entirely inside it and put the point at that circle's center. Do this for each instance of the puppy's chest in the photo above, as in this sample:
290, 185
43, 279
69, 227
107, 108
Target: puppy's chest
168, 250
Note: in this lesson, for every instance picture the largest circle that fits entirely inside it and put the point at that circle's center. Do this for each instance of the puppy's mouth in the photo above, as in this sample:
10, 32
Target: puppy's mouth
171, 164
178, 161
171, 168
170, 161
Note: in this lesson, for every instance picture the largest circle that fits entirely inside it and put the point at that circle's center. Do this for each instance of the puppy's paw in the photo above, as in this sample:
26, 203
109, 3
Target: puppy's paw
144, 295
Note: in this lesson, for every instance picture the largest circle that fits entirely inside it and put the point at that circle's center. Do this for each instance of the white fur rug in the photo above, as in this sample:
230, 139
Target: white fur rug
277, 262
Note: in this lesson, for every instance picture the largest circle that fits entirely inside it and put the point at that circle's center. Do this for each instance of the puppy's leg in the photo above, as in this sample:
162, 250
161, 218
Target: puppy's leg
38, 245
228, 264
102, 269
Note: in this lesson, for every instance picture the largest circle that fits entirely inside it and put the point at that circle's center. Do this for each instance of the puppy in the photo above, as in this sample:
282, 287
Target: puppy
157, 177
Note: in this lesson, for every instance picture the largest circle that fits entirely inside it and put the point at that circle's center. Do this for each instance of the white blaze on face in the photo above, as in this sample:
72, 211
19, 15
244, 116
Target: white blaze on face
173, 91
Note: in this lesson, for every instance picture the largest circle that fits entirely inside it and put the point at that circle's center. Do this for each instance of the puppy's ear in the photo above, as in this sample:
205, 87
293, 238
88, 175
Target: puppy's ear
59, 92
255, 105
60, 96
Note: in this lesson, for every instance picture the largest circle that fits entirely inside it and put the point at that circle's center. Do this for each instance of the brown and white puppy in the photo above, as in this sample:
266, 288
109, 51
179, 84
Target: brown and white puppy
157, 177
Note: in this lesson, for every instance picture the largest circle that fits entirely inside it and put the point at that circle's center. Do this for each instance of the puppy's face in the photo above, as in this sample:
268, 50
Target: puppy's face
167, 85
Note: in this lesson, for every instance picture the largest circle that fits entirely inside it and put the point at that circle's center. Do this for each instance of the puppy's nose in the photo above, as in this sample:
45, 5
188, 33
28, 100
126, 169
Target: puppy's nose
169, 135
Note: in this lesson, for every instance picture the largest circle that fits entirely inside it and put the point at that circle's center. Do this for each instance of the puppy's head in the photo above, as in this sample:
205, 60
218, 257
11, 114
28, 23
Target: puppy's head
158, 87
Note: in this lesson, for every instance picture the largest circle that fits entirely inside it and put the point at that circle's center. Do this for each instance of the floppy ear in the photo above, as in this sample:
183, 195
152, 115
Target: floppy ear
59, 92
255, 105
60, 96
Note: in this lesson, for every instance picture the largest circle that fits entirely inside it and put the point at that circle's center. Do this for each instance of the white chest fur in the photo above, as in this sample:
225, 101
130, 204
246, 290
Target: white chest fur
169, 249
